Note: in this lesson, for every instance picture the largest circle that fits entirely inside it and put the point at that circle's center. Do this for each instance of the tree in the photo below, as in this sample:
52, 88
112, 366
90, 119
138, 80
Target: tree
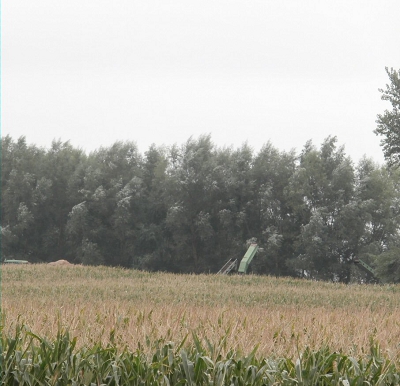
388, 266
389, 121
151, 250
19, 198
271, 221
103, 227
321, 195
191, 190
55, 195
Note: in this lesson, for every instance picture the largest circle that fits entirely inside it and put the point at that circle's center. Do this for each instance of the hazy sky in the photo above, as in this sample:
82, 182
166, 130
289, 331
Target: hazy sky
97, 71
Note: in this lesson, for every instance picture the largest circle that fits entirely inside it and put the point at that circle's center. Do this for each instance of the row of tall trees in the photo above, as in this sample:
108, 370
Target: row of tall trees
189, 208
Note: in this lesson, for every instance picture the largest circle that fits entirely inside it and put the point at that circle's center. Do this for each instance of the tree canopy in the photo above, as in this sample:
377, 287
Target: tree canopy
191, 207
388, 123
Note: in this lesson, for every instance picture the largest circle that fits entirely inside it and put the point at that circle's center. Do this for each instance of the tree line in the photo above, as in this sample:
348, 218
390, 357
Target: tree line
191, 207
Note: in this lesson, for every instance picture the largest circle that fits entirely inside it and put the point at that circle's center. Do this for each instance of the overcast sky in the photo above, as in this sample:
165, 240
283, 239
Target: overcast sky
158, 71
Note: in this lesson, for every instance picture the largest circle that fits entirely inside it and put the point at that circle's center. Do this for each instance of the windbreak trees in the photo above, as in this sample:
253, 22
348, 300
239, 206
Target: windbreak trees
36, 198
388, 123
191, 195
379, 190
103, 225
56, 193
343, 213
191, 208
152, 251
19, 175
270, 213
233, 207
321, 194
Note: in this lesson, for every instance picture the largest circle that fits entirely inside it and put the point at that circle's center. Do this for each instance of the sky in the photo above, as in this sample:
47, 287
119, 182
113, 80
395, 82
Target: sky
94, 72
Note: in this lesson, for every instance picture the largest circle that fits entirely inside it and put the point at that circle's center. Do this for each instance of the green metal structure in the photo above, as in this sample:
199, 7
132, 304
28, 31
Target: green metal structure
228, 267
232, 264
248, 257
364, 266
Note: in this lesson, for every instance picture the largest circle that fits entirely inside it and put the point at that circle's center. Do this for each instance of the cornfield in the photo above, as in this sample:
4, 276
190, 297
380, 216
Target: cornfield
94, 326
31, 360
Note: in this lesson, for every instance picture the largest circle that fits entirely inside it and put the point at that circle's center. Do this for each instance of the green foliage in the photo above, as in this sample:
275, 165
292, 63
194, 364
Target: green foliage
389, 122
322, 195
388, 266
191, 208
28, 359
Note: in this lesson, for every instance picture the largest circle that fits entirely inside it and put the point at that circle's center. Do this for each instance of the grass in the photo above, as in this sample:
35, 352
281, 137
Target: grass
126, 313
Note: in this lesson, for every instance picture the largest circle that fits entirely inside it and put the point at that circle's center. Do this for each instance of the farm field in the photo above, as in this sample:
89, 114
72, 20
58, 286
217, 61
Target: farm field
282, 317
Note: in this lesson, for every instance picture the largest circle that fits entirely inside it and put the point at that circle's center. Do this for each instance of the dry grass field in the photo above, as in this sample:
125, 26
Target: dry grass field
282, 316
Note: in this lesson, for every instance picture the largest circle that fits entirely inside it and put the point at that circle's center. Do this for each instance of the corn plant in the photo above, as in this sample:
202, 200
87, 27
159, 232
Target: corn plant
28, 359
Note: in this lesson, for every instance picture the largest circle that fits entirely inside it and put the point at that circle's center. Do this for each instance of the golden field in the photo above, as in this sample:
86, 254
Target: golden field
282, 316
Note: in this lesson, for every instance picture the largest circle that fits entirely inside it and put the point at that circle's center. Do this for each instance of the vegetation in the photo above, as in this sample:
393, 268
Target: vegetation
279, 315
389, 121
187, 210
190, 208
32, 360
78, 324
